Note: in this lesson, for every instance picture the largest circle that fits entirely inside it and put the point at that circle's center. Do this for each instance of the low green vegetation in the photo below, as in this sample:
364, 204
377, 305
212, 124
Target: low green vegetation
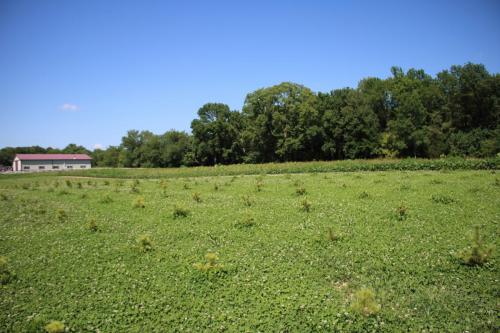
235, 259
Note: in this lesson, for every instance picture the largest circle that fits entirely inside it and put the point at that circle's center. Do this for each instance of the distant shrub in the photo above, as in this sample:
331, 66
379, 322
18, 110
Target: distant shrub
180, 212
211, 265
145, 243
305, 205
89, 182
442, 199
6, 274
196, 197
79, 185
106, 182
106, 199
247, 201
216, 187
92, 225
300, 191
364, 302
61, 215
402, 212
55, 326
186, 186
25, 186
68, 183
477, 253
139, 203
63, 192
363, 195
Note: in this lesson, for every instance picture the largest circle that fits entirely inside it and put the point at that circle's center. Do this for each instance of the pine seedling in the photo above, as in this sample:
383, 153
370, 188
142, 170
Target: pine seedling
364, 302
477, 253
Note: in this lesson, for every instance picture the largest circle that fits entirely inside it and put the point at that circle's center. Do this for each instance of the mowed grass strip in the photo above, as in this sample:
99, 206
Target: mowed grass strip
77, 255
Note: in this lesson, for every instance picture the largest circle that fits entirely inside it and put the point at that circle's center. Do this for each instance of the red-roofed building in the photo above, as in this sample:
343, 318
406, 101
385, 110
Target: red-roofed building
46, 162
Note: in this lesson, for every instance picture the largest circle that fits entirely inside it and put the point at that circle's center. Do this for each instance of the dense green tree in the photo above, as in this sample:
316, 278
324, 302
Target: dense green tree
174, 148
283, 124
73, 148
350, 127
216, 135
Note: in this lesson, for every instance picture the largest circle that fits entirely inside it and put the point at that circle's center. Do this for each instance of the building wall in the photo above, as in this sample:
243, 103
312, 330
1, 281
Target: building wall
49, 165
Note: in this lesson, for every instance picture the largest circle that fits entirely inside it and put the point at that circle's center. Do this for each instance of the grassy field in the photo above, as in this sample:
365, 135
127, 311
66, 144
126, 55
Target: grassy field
305, 252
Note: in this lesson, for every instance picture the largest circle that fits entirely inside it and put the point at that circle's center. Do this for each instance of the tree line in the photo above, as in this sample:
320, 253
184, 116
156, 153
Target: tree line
409, 114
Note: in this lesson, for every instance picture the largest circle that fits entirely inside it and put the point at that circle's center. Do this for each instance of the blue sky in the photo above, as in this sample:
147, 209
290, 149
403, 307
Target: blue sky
87, 71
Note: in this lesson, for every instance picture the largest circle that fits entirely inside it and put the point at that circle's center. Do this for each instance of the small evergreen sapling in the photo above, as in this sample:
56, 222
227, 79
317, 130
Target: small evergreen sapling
180, 212
477, 253
305, 205
6, 275
364, 302
145, 243
139, 203
55, 326
211, 264
197, 197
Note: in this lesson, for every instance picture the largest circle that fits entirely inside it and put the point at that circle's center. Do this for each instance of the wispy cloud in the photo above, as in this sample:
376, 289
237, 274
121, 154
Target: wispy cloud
69, 107
98, 146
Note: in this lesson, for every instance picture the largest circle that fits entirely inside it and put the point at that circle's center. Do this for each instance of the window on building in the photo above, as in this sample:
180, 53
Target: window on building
55, 167
26, 167
69, 167
83, 166
41, 167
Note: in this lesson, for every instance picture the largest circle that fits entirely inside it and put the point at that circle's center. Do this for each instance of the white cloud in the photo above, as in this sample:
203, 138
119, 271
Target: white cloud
69, 107
98, 146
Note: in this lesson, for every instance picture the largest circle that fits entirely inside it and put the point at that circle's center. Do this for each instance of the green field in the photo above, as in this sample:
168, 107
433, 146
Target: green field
293, 250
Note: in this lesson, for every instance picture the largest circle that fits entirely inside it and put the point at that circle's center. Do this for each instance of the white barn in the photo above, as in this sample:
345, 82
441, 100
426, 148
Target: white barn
47, 162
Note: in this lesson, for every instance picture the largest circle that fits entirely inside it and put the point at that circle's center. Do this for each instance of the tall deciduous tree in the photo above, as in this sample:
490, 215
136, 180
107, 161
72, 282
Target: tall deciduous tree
283, 124
216, 134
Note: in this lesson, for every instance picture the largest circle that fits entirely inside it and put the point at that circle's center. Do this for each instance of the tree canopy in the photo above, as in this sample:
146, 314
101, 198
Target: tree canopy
408, 114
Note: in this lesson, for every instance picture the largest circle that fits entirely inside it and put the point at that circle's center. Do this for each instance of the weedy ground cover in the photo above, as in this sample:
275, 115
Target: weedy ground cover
393, 261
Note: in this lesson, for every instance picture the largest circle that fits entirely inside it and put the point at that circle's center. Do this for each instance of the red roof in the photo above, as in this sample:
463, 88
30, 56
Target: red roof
24, 157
